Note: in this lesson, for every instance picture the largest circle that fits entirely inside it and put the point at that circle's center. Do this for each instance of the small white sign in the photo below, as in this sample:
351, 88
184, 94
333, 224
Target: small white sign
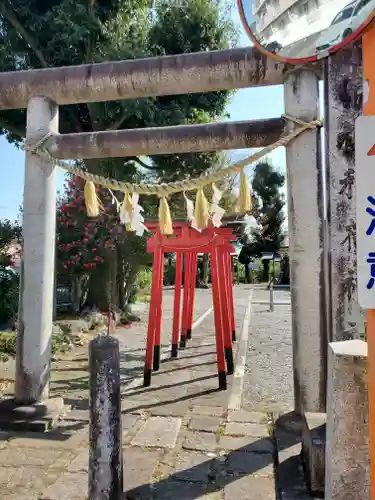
365, 204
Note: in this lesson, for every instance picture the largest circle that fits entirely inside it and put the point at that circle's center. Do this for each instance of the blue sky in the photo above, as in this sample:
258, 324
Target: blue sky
247, 104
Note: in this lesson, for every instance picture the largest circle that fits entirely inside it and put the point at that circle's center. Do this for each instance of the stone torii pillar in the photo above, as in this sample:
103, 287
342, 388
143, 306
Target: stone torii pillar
38, 262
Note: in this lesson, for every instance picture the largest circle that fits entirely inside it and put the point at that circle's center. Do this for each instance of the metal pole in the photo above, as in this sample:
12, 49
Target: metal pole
271, 296
105, 454
37, 268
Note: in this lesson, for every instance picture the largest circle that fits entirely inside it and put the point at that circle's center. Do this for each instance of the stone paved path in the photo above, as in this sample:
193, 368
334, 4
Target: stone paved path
180, 440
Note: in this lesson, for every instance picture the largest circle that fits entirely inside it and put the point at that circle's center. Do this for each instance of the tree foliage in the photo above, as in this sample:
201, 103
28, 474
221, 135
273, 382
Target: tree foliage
47, 33
268, 211
10, 234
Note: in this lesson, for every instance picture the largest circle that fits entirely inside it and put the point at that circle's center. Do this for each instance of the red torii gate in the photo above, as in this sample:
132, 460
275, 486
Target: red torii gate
188, 241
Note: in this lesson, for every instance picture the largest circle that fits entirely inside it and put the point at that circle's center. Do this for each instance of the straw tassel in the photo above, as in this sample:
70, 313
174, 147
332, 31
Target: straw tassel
165, 219
126, 211
91, 199
244, 200
201, 209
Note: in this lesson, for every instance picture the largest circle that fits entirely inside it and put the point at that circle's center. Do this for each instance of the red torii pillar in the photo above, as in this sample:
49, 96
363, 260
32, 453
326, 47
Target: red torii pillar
189, 242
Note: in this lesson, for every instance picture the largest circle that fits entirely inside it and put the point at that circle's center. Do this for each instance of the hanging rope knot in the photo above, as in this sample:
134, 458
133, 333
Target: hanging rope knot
307, 125
37, 147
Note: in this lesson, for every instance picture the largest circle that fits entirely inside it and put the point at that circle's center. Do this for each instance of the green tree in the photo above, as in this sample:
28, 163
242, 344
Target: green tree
268, 204
46, 33
10, 234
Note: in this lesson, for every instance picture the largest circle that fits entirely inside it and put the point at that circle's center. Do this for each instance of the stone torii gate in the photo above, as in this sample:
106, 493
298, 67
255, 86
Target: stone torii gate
42, 91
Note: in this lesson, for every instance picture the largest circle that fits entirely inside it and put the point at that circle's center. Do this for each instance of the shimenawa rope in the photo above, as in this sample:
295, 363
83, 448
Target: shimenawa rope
164, 190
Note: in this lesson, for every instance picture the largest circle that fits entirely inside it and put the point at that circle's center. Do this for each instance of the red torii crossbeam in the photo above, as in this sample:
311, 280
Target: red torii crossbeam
188, 242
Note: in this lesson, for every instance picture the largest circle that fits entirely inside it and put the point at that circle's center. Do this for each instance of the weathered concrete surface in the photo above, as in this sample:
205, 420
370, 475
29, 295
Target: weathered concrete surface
167, 140
314, 450
343, 104
347, 448
133, 79
305, 222
289, 473
38, 262
105, 457
158, 432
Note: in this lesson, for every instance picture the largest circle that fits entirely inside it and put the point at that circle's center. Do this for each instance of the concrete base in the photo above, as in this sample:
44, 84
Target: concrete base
37, 417
348, 451
313, 451
290, 479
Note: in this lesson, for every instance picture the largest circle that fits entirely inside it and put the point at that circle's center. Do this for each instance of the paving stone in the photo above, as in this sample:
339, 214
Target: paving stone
214, 495
68, 435
245, 429
20, 494
211, 411
160, 432
242, 463
69, 486
171, 410
12, 457
202, 423
247, 416
201, 441
139, 467
246, 444
170, 380
79, 415
128, 422
215, 398
206, 387
80, 462
187, 466
171, 490
136, 407
251, 488
28, 478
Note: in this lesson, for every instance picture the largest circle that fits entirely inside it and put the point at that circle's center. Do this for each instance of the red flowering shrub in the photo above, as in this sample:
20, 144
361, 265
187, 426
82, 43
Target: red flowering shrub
81, 240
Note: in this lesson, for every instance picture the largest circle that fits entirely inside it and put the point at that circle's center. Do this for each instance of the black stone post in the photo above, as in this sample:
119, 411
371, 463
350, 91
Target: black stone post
105, 458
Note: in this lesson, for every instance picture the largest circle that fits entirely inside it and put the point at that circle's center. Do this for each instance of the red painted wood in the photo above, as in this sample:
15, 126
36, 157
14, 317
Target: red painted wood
189, 242
192, 283
159, 300
217, 311
224, 300
185, 306
189, 239
230, 293
177, 300
152, 312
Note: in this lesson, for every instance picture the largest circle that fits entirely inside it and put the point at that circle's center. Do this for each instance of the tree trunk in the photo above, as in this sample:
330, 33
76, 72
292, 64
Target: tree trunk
170, 271
265, 274
205, 268
103, 284
121, 280
247, 273
78, 292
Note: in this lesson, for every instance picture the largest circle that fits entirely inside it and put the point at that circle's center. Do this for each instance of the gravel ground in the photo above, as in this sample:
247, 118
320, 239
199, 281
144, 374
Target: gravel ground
268, 383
